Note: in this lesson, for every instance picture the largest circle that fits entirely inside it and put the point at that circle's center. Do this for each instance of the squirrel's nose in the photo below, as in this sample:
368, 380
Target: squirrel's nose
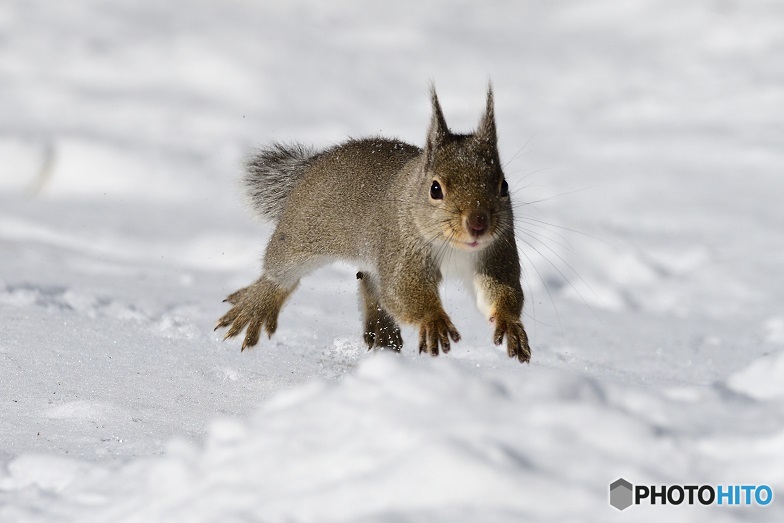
477, 222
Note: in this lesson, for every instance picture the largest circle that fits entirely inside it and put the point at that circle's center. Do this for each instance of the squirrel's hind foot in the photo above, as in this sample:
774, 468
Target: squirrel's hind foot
381, 331
256, 306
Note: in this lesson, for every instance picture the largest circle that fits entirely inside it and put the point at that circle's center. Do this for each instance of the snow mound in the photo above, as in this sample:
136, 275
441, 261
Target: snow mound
774, 330
50, 475
326, 452
403, 439
762, 379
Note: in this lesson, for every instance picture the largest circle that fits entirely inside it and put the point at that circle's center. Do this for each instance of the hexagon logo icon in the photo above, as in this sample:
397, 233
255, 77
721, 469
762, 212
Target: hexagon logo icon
621, 494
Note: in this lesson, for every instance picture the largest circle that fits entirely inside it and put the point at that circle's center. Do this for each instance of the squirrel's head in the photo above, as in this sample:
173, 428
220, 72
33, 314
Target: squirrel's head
466, 195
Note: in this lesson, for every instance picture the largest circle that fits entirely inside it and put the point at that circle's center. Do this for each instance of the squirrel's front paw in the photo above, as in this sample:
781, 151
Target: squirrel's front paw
516, 339
437, 332
256, 306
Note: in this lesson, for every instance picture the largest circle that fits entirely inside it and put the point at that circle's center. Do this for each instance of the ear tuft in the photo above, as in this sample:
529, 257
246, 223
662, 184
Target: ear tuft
438, 131
486, 130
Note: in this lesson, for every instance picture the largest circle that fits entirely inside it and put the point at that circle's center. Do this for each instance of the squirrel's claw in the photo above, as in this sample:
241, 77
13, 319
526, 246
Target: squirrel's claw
516, 339
226, 320
236, 327
370, 338
235, 296
252, 335
436, 333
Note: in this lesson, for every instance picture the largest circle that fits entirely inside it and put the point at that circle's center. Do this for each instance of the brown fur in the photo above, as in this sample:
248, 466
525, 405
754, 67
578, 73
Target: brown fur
369, 202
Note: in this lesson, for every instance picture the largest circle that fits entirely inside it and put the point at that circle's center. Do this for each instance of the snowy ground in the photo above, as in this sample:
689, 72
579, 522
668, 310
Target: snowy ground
651, 132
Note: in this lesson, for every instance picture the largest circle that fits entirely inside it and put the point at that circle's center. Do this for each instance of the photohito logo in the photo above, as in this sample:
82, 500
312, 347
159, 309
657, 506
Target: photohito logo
623, 494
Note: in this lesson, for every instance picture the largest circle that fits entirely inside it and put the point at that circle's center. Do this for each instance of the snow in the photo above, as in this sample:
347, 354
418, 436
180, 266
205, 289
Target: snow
648, 134
762, 379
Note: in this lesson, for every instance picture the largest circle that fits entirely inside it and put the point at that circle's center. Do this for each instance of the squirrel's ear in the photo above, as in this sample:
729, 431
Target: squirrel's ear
486, 130
438, 130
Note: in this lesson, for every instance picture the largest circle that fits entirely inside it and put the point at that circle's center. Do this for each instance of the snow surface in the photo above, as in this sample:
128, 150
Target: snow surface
648, 133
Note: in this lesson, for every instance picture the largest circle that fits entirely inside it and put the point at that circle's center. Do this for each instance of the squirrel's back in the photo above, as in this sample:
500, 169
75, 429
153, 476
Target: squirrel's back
274, 171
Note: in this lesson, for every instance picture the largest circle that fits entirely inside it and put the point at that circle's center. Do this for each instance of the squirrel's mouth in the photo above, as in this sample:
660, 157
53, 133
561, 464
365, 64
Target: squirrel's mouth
466, 240
472, 243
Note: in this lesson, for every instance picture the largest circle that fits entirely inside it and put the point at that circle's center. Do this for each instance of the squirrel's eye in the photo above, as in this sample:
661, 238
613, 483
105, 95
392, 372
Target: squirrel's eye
435, 191
504, 189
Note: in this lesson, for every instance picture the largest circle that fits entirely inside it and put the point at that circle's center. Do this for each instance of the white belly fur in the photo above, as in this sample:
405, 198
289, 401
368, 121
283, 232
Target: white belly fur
462, 265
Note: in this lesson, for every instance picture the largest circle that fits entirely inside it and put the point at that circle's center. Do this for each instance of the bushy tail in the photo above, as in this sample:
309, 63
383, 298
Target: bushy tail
272, 172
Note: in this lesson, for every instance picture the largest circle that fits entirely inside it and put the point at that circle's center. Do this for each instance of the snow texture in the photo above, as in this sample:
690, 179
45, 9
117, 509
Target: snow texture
642, 142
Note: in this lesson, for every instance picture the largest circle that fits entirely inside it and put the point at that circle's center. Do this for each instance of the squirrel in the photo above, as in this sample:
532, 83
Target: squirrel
404, 216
